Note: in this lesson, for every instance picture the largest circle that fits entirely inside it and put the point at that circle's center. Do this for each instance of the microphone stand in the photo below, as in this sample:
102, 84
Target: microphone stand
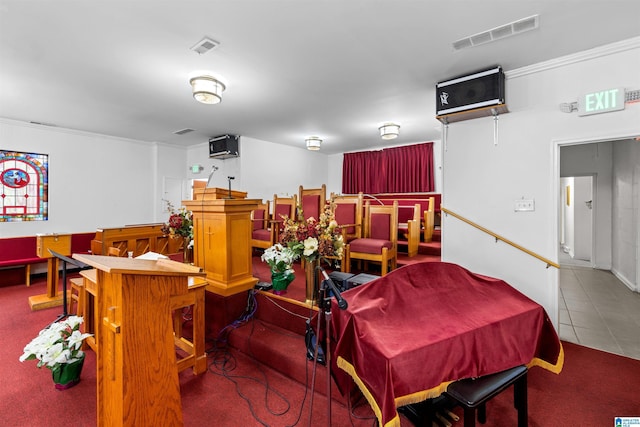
229, 178
324, 305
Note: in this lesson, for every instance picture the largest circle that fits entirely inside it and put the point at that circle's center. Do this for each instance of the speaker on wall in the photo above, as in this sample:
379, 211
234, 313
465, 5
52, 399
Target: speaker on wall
223, 146
483, 90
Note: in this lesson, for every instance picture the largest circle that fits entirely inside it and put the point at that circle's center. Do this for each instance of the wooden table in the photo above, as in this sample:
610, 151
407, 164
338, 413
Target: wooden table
407, 335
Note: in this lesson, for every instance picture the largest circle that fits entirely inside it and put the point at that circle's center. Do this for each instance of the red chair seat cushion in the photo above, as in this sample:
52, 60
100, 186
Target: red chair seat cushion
369, 246
261, 234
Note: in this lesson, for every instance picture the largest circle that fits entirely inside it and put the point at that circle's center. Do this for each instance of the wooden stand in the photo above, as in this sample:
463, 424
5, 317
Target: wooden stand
222, 239
137, 374
60, 243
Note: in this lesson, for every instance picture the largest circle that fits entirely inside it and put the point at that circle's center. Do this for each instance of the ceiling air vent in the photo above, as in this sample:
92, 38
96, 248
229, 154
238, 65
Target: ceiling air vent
497, 33
205, 45
182, 131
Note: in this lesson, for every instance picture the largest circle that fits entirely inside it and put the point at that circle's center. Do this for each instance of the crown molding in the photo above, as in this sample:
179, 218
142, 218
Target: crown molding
563, 61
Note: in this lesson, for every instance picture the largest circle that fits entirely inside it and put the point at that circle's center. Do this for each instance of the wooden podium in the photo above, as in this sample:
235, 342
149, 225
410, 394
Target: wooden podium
60, 243
222, 238
137, 373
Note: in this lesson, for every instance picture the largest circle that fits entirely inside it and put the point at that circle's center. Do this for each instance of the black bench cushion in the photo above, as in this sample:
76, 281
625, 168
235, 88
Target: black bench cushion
475, 391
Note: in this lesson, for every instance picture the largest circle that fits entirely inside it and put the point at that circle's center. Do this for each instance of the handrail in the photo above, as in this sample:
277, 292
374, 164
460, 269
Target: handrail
499, 237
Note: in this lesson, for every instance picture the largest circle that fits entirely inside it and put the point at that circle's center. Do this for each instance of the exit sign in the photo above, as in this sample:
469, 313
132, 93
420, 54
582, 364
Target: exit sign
601, 102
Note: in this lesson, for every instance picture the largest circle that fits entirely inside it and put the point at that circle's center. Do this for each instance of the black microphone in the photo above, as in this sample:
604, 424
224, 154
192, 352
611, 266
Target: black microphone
231, 177
342, 303
213, 169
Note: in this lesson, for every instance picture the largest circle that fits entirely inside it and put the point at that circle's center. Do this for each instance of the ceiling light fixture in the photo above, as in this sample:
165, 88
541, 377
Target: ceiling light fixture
389, 131
207, 89
313, 143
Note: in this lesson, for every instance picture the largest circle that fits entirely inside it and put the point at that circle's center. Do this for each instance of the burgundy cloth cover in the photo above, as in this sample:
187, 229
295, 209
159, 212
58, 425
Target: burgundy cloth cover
311, 206
405, 336
369, 246
258, 220
261, 234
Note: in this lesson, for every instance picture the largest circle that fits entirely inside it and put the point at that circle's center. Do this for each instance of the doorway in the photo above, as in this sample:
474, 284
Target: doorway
576, 219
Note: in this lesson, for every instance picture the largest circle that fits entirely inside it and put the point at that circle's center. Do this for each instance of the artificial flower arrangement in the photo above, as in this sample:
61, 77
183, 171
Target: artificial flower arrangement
180, 222
57, 346
312, 238
280, 259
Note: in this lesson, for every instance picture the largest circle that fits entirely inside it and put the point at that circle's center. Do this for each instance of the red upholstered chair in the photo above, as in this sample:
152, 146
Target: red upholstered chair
312, 201
380, 239
282, 206
347, 211
261, 226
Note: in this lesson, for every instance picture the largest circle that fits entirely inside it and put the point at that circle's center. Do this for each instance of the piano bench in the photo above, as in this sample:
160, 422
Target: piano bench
473, 394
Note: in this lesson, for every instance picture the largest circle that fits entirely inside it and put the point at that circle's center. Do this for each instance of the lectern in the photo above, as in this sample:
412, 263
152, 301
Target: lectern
137, 374
222, 238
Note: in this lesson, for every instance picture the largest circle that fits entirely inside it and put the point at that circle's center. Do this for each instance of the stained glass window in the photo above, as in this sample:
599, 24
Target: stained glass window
24, 182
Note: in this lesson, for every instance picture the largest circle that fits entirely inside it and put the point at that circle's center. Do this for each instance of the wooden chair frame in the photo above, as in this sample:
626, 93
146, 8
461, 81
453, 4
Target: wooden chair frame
266, 225
412, 235
276, 222
429, 220
356, 201
388, 255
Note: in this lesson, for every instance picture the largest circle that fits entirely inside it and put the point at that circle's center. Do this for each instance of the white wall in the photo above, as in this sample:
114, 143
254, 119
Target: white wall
626, 212
482, 181
265, 168
94, 181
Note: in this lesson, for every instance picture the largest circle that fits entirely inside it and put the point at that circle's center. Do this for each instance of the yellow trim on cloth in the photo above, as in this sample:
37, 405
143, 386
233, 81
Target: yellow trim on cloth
555, 368
400, 401
421, 396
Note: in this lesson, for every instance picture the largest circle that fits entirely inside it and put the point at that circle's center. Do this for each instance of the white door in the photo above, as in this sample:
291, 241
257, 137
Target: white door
583, 217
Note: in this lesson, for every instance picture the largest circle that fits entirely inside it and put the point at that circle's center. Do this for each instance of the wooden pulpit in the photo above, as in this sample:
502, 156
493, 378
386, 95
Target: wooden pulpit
60, 243
137, 373
222, 238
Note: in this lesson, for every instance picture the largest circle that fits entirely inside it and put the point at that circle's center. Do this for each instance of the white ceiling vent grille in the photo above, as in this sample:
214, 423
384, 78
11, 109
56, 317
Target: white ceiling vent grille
507, 30
182, 131
205, 45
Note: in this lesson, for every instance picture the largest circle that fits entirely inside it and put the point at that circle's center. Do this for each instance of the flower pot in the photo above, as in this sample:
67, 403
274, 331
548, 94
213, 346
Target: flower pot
66, 375
280, 282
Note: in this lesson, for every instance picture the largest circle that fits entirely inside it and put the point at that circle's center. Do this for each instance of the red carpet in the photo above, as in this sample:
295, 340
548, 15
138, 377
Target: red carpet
593, 388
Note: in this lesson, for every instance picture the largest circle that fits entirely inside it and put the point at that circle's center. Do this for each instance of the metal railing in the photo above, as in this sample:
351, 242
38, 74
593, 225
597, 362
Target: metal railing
499, 237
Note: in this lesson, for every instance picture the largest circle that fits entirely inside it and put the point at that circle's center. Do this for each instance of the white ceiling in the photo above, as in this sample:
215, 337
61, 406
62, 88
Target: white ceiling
293, 68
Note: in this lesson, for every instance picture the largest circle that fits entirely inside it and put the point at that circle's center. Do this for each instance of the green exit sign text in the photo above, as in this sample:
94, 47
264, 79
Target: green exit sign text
601, 102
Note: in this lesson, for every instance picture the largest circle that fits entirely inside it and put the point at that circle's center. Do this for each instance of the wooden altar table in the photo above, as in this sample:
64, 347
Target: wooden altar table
406, 336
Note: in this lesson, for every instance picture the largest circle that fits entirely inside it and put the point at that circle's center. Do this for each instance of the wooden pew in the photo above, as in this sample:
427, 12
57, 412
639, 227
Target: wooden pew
138, 239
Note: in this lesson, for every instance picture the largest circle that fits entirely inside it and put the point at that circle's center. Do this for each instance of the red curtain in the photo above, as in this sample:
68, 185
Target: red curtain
407, 169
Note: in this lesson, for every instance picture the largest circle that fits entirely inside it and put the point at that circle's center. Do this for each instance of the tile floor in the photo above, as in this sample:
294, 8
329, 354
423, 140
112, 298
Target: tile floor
597, 310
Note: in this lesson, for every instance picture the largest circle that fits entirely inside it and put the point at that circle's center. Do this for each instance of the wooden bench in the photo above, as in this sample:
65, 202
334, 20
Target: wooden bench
474, 393
23, 251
